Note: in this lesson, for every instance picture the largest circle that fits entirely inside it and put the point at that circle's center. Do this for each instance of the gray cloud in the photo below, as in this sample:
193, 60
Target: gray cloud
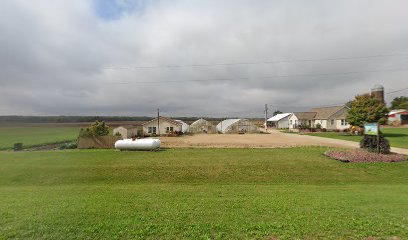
54, 56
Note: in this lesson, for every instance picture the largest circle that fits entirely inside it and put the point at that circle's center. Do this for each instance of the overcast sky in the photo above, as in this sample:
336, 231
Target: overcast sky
196, 58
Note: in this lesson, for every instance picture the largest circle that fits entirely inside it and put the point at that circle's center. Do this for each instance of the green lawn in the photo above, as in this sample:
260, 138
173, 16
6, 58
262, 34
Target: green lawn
32, 136
199, 194
398, 137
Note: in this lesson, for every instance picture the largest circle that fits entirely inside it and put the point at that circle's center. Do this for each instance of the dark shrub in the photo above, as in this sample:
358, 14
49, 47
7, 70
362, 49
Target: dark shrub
70, 145
324, 130
369, 143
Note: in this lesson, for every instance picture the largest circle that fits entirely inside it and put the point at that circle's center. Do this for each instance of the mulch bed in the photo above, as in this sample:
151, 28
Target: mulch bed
360, 156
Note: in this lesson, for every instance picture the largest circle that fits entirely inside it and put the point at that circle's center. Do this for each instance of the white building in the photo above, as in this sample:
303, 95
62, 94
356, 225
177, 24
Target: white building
331, 118
162, 126
399, 116
127, 131
237, 126
280, 120
298, 119
202, 126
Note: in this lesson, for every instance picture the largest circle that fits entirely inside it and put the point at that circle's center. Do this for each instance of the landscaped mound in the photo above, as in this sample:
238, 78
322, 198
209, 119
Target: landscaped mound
359, 155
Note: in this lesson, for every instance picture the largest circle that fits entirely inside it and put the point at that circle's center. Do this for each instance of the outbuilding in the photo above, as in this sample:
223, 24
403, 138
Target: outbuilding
398, 117
237, 126
280, 120
202, 126
128, 131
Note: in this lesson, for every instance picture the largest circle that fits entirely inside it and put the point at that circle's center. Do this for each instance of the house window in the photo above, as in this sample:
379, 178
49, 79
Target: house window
332, 122
169, 129
151, 130
344, 122
290, 122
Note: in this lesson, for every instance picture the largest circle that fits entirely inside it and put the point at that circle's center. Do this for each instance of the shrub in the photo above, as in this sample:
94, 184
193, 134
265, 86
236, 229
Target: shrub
318, 126
369, 142
324, 130
70, 145
96, 129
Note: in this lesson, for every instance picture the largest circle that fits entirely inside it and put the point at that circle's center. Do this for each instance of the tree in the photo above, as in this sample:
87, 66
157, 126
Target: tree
366, 109
400, 103
96, 129
276, 112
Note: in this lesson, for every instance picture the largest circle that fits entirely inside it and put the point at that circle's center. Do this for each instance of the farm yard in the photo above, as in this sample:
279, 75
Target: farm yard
200, 194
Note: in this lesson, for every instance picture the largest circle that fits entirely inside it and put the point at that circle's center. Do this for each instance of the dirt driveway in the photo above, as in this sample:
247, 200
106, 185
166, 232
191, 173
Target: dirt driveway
275, 139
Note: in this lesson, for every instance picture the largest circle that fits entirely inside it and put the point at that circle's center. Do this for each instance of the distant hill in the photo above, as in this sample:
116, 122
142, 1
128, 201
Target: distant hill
82, 119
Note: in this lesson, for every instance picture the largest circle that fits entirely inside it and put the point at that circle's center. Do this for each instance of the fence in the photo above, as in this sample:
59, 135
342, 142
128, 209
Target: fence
97, 142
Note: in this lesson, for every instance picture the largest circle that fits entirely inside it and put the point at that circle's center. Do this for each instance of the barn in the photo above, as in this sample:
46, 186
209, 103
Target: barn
238, 125
202, 126
398, 117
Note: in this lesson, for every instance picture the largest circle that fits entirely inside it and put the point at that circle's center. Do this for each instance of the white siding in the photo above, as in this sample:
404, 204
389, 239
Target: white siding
292, 121
163, 127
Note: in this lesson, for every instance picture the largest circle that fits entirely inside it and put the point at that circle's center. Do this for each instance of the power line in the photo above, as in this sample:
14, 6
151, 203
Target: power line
257, 62
264, 77
400, 90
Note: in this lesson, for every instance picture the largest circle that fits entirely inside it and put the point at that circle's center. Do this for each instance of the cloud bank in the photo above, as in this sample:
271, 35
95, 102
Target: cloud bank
130, 57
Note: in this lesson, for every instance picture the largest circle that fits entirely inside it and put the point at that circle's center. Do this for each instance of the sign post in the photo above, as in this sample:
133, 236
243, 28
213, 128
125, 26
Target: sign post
373, 129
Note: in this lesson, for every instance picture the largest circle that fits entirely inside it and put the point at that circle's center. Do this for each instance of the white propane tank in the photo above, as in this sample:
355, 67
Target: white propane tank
138, 144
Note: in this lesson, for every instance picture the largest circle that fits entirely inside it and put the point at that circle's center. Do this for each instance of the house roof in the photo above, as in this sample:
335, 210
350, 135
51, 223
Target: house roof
201, 120
223, 125
343, 115
278, 117
305, 115
396, 111
169, 120
326, 112
127, 126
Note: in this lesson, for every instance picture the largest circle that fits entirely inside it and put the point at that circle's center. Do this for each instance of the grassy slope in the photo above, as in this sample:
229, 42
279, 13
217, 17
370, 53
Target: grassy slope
398, 137
31, 136
203, 193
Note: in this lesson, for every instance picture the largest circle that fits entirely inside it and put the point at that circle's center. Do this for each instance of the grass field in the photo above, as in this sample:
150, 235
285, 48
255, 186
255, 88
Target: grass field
33, 136
199, 194
398, 137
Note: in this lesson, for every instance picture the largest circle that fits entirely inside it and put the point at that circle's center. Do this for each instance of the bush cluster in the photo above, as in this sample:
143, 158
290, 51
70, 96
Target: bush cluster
370, 143
96, 129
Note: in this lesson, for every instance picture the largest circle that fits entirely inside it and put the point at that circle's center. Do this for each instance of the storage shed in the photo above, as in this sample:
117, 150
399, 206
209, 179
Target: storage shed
280, 120
202, 126
128, 131
238, 125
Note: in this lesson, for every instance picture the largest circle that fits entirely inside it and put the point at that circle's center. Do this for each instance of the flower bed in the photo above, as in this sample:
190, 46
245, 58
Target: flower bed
359, 155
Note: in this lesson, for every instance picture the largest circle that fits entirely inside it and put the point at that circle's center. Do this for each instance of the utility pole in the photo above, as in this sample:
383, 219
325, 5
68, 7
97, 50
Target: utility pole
266, 117
158, 121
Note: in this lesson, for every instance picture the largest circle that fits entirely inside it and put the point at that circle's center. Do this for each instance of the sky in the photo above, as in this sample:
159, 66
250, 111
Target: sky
198, 58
